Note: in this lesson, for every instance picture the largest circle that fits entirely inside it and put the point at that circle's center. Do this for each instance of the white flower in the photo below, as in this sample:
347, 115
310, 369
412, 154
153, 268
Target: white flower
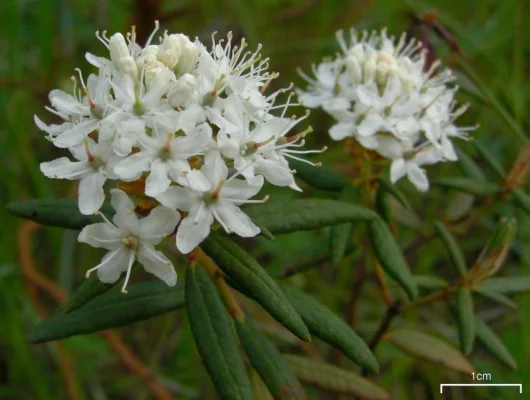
130, 239
83, 114
221, 202
95, 165
411, 167
260, 146
381, 93
166, 157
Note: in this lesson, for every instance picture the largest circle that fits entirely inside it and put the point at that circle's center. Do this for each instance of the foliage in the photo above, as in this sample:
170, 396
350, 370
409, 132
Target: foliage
426, 276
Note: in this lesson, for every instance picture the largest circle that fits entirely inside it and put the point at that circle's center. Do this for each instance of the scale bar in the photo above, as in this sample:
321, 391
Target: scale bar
520, 385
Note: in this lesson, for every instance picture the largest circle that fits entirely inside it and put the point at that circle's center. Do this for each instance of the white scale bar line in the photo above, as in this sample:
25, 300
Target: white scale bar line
520, 385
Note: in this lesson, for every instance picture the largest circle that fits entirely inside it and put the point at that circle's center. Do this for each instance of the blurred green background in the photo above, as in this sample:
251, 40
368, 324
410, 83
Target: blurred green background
42, 41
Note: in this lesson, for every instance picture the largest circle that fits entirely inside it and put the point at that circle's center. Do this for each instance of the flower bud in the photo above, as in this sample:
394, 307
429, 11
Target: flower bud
181, 93
158, 78
148, 55
170, 50
354, 69
357, 51
118, 50
188, 57
128, 66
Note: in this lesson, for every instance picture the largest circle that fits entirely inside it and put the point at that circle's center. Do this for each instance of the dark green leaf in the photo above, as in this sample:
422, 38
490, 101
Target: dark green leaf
496, 297
493, 344
297, 215
326, 325
321, 177
468, 185
387, 186
490, 160
90, 288
496, 249
268, 362
521, 199
515, 284
430, 348
63, 213
383, 205
110, 310
453, 249
339, 238
465, 317
334, 379
215, 337
429, 282
389, 255
245, 271
469, 166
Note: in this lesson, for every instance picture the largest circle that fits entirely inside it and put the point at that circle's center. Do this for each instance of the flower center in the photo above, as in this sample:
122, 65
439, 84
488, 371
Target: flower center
130, 241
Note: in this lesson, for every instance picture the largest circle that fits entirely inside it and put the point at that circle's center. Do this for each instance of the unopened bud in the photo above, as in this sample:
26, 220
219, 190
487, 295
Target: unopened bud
354, 69
148, 55
181, 93
128, 66
188, 57
160, 79
118, 50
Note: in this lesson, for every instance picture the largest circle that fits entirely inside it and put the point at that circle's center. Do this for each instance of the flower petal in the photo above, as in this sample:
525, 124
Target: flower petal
156, 263
417, 176
157, 182
125, 218
240, 189
342, 130
131, 167
91, 195
111, 271
160, 221
191, 234
398, 169
76, 134
63, 168
102, 235
178, 197
235, 219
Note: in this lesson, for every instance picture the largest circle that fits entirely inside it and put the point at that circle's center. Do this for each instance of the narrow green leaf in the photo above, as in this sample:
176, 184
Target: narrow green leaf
468, 185
215, 337
490, 160
298, 215
322, 177
268, 362
390, 256
496, 250
451, 246
387, 186
63, 213
521, 199
339, 238
496, 297
326, 325
90, 288
493, 343
337, 380
515, 284
111, 310
383, 205
245, 271
465, 316
469, 166
430, 348
261, 392
429, 282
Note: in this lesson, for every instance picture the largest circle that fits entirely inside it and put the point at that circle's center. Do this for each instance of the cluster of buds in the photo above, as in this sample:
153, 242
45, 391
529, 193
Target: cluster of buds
192, 127
381, 92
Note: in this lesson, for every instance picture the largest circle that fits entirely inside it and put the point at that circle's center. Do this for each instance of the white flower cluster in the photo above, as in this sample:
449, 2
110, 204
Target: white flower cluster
381, 93
194, 124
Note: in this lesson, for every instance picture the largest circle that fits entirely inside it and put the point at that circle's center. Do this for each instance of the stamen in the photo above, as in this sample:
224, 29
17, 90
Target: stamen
129, 268
102, 39
89, 155
215, 193
102, 264
150, 38
219, 219
105, 219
